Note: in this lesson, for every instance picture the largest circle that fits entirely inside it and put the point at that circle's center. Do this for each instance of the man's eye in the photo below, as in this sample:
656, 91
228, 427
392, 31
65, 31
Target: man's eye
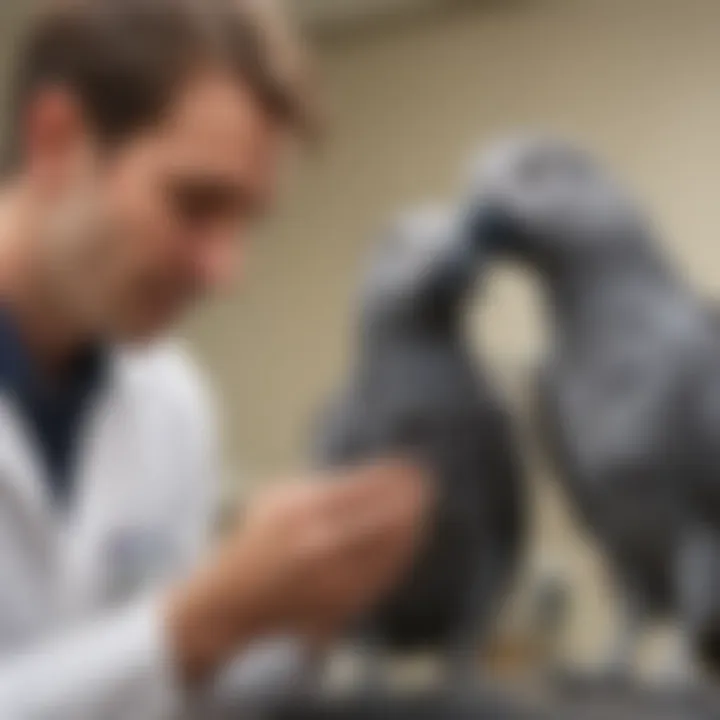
198, 204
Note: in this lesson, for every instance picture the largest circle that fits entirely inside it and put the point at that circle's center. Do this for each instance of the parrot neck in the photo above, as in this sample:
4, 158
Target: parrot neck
412, 330
583, 297
396, 347
411, 366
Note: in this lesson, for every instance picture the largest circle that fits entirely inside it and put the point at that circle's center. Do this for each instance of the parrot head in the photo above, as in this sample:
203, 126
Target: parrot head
545, 202
420, 273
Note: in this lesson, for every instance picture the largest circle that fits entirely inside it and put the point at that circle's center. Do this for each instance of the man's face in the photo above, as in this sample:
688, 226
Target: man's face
135, 235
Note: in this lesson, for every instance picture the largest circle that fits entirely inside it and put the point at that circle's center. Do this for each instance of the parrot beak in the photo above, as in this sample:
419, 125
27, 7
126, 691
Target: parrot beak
490, 227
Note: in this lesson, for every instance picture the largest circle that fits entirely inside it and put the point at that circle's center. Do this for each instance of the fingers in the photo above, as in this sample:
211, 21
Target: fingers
335, 546
373, 517
376, 523
387, 490
379, 540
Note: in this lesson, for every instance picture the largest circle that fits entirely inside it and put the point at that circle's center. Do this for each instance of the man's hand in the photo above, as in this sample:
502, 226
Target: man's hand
308, 558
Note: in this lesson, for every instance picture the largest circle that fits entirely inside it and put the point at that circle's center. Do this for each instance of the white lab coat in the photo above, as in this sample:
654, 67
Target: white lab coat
81, 633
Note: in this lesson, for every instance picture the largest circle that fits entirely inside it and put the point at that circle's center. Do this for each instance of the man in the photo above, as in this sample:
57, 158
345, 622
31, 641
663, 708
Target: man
146, 136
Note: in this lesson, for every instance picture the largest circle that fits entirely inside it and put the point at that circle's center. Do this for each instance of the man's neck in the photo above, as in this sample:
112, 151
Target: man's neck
49, 333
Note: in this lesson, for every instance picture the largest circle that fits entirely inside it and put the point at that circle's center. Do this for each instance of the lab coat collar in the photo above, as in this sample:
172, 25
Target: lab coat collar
22, 472
21, 376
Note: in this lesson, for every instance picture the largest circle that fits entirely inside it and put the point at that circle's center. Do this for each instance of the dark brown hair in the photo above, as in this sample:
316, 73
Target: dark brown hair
126, 58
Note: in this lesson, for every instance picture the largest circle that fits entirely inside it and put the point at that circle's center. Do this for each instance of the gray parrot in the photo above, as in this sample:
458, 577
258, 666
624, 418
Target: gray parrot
629, 394
417, 391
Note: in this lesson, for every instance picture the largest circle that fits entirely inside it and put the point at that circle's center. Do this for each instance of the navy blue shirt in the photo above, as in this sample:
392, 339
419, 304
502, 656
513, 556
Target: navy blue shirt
53, 408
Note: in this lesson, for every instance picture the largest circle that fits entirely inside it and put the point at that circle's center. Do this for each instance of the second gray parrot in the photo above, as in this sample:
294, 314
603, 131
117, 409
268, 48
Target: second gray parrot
630, 390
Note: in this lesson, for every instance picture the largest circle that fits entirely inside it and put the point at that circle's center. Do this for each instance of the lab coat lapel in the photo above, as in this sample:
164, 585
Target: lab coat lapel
107, 463
22, 474
29, 538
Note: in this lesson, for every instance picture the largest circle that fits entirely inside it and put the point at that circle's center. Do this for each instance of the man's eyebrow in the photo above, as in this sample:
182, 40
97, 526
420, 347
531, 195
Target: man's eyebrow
218, 190
209, 184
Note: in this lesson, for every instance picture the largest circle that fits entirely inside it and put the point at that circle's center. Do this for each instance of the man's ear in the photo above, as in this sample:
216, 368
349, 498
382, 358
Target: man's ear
56, 138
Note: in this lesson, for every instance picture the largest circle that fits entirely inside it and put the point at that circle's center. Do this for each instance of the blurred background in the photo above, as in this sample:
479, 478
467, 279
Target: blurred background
411, 87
